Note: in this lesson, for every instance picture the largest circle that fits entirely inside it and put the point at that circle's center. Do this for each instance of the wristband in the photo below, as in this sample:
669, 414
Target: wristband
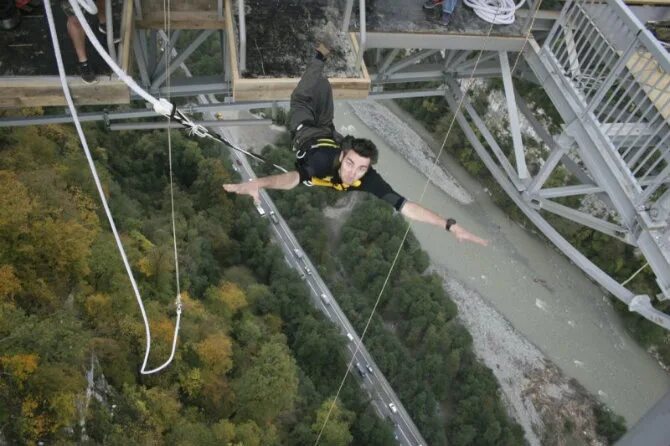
450, 223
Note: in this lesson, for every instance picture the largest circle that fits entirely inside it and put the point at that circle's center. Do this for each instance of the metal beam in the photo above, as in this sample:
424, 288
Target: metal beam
158, 80
653, 429
140, 58
513, 114
436, 72
638, 304
569, 191
444, 41
410, 60
347, 16
493, 144
390, 57
579, 217
176, 125
475, 61
601, 163
168, 50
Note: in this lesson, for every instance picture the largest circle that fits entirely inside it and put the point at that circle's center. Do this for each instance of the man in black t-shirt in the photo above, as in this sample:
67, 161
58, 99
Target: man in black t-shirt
325, 158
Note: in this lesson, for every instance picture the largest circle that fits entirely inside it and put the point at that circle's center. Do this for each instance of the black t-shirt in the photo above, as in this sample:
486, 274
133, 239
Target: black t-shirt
320, 166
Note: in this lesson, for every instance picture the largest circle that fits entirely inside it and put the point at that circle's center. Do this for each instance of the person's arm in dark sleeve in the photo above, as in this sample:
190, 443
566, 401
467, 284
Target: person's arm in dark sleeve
376, 185
373, 183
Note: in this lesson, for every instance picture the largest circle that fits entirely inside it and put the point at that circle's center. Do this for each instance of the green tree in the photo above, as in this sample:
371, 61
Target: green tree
269, 387
333, 423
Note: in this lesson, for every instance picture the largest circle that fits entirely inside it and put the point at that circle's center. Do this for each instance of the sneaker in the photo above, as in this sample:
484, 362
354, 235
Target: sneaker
86, 72
326, 40
11, 22
102, 28
432, 4
446, 18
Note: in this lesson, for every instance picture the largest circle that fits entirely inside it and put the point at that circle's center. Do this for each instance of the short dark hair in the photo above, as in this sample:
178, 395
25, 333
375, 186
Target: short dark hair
363, 147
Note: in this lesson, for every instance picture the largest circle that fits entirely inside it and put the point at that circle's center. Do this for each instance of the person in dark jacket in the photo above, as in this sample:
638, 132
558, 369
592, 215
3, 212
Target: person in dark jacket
326, 159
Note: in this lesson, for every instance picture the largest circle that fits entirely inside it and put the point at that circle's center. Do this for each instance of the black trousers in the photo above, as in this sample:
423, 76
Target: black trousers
311, 107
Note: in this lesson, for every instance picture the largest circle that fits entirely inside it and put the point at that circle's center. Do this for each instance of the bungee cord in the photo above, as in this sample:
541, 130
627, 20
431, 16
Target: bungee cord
498, 12
110, 218
409, 224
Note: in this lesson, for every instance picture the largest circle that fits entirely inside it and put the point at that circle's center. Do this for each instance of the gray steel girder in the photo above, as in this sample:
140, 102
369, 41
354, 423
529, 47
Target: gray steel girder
639, 304
596, 155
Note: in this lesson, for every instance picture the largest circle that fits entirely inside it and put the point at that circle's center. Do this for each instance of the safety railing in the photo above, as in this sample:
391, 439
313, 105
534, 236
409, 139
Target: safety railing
619, 75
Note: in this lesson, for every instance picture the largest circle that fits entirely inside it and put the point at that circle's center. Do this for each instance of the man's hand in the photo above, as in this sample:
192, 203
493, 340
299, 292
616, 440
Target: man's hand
462, 234
251, 188
284, 181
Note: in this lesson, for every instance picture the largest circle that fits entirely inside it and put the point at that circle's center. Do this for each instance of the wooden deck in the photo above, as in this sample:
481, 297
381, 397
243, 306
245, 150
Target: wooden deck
28, 70
280, 72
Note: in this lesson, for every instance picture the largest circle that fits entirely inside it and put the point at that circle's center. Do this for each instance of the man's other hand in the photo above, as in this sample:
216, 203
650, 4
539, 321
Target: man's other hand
462, 234
250, 188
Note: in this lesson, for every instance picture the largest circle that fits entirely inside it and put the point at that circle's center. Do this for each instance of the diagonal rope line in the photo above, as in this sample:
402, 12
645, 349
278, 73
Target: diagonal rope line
96, 179
409, 225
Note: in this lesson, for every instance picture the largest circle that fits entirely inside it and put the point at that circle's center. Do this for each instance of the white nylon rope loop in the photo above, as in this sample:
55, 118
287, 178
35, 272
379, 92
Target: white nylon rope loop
498, 12
94, 172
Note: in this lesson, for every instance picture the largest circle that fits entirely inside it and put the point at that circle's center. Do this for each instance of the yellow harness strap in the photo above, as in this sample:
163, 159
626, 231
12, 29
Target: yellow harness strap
328, 183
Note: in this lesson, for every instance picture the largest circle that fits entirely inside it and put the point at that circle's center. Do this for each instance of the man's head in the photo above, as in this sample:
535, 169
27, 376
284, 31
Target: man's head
358, 154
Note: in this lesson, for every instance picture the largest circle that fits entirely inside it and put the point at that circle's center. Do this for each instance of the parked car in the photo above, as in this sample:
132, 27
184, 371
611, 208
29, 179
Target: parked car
350, 337
274, 218
368, 367
393, 407
325, 299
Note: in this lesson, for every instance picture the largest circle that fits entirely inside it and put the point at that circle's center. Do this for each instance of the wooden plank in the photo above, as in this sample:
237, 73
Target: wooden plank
126, 34
656, 81
149, 6
281, 88
46, 91
232, 40
182, 20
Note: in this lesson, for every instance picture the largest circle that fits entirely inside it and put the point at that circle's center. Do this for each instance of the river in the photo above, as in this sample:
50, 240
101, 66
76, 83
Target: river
547, 299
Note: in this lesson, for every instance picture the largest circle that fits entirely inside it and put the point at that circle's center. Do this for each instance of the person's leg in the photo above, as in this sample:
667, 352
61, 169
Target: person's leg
448, 6
78, 37
102, 18
312, 99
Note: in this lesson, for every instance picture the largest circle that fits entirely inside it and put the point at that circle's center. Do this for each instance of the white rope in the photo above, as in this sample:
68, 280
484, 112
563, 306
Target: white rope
169, 132
498, 12
89, 6
635, 274
94, 172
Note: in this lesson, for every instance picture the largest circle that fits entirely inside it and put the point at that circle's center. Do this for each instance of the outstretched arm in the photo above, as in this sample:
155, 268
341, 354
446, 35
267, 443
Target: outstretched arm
285, 181
417, 212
